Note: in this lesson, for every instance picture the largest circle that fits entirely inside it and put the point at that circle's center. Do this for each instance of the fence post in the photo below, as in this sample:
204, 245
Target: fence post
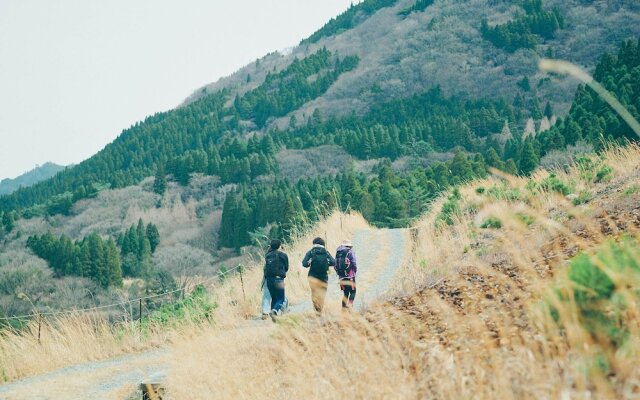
240, 268
39, 326
141, 312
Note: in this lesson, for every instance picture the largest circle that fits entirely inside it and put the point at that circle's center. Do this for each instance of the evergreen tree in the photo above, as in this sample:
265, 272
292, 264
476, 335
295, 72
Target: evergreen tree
548, 110
146, 263
153, 235
8, 221
529, 160
160, 181
113, 264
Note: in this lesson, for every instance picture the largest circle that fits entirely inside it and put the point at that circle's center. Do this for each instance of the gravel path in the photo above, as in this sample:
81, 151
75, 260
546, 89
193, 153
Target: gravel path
379, 252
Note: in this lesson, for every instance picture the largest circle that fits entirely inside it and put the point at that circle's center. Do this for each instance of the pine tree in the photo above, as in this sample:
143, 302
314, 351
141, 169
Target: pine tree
160, 181
140, 236
510, 167
153, 235
229, 216
529, 159
8, 221
548, 110
113, 264
146, 263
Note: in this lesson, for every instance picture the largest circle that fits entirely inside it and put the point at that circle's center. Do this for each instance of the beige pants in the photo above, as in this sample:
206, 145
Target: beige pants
318, 292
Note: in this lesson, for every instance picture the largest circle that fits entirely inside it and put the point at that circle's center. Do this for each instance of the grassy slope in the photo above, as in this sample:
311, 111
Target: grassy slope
470, 322
467, 323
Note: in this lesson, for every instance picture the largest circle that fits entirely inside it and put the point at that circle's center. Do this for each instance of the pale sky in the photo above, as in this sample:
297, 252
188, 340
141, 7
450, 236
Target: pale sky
75, 73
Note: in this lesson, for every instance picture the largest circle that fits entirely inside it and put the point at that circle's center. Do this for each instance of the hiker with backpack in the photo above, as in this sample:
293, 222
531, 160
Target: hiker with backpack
346, 269
275, 270
318, 260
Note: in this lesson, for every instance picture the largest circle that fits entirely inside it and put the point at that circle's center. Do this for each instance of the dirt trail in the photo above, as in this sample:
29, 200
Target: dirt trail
380, 254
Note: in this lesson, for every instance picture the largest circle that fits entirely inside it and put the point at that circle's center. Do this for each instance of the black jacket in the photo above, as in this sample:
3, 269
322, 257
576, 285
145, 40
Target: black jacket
284, 263
319, 272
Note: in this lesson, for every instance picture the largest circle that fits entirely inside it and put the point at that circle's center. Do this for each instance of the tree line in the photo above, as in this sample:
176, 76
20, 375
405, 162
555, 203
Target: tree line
418, 6
98, 259
414, 126
388, 199
177, 140
524, 30
354, 15
407, 127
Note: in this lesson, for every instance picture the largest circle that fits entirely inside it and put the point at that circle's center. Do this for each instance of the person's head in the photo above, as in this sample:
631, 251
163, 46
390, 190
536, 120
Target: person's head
347, 243
275, 244
319, 241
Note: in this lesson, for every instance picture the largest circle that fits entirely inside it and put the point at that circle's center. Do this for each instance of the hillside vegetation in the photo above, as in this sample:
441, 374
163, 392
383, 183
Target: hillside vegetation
524, 295
393, 103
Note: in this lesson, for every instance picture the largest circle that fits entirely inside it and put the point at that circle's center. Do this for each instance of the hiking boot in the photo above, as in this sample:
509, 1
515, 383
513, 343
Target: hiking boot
273, 314
265, 316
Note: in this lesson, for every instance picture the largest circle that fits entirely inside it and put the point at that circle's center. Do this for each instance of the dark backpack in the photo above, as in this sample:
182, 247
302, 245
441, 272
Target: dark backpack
343, 264
273, 265
319, 262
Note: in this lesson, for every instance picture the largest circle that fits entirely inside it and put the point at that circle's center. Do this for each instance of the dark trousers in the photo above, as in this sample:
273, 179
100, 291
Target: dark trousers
318, 292
276, 289
348, 287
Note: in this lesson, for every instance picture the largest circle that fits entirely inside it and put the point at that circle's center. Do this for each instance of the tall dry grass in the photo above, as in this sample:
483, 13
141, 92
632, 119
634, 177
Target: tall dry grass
76, 338
479, 312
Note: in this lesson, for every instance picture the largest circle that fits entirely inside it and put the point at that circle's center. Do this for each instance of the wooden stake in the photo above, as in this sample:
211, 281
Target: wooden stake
244, 297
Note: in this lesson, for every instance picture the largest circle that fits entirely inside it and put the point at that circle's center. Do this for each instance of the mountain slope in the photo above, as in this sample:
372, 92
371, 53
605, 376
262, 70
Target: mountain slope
442, 45
401, 47
39, 173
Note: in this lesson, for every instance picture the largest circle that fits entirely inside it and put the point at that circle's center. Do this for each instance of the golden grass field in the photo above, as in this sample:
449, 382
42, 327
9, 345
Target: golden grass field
466, 319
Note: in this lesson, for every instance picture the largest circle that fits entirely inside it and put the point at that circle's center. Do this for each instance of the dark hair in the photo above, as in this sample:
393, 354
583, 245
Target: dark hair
319, 241
275, 244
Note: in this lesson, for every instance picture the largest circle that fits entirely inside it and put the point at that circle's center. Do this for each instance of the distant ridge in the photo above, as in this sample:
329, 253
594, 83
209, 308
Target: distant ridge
39, 173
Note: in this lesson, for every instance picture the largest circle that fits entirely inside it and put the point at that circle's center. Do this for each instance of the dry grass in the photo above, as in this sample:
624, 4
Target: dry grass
467, 322
79, 338
472, 322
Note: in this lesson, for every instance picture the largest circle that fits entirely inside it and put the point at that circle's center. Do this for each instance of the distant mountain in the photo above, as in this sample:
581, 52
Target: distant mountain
39, 173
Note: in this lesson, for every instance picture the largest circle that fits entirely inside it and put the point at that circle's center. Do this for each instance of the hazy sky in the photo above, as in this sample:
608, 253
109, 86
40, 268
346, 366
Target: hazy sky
74, 73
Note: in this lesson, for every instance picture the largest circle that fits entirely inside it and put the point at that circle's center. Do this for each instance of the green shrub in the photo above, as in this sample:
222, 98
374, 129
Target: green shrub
197, 307
492, 223
450, 208
604, 174
593, 169
554, 184
526, 218
504, 193
631, 190
600, 295
480, 190
584, 197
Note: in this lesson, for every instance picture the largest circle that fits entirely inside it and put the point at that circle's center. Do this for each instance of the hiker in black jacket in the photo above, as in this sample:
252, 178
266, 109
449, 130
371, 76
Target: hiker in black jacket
318, 260
275, 270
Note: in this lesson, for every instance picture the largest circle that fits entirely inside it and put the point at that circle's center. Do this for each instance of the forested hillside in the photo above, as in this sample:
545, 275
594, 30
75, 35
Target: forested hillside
375, 86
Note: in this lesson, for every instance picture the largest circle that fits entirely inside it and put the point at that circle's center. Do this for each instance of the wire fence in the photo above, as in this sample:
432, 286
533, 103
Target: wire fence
106, 306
